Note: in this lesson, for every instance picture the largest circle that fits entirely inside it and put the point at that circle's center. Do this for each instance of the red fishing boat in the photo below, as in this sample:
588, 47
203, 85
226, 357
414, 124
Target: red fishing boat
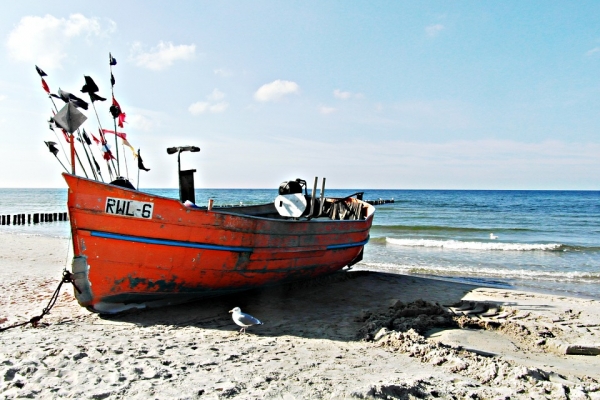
134, 249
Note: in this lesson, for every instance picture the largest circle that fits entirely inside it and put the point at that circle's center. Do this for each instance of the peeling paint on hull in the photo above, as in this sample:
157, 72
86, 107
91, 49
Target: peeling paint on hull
180, 254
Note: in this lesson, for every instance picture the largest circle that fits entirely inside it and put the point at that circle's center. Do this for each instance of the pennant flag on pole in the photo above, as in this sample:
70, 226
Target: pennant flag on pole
111, 59
94, 97
106, 153
115, 109
122, 135
97, 167
52, 124
126, 143
141, 162
86, 138
45, 86
40, 72
121, 119
116, 112
95, 139
52, 147
90, 86
68, 97
54, 150
112, 79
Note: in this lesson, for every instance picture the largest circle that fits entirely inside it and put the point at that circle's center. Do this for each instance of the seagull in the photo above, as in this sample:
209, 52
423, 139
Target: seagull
492, 236
243, 320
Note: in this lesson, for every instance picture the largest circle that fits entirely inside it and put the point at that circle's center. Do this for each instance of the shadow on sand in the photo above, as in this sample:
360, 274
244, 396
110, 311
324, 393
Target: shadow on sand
327, 308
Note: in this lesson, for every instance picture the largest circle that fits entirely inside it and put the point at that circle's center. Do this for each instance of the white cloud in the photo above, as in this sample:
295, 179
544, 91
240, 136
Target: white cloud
45, 40
434, 30
326, 110
216, 95
219, 107
162, 56
338, 94
140, 122
432, 114
2, 97
224, 73
202, 107
199, 108
592, 51
276, 90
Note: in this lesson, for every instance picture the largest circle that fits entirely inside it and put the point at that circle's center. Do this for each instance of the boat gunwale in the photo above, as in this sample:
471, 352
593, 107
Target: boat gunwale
230, 210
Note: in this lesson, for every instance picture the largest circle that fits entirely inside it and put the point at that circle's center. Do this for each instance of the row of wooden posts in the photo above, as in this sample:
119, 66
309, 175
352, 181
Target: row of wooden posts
22, 219
379, 201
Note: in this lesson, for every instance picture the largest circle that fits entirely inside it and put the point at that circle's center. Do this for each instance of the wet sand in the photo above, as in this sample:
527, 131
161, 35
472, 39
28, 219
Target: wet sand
354, 334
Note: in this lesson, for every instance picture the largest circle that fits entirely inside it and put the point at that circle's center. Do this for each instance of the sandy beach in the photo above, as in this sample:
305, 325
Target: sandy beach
355, 334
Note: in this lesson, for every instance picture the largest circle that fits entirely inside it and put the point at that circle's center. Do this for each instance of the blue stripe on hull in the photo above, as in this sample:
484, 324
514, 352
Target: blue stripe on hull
178, 243
347, 245
165, 242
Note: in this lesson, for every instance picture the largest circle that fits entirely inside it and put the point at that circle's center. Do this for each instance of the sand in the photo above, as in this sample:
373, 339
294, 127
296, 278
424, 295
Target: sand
355, 334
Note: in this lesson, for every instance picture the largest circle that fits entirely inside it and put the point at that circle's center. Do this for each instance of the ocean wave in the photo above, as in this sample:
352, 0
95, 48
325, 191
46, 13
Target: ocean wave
441, 228
459, 245
485, 272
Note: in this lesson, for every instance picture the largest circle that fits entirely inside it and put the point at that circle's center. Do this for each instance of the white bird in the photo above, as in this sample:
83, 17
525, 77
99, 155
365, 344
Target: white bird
492, 236
242, 319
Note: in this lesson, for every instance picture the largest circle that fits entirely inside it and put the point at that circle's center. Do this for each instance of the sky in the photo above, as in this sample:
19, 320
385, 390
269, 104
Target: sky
369, 94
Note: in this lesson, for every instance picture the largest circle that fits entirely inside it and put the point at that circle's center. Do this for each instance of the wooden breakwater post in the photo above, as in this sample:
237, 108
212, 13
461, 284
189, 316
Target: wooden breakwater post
379, 201
35, 218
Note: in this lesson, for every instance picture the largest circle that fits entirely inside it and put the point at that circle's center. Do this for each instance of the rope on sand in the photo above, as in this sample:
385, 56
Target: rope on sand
66, 278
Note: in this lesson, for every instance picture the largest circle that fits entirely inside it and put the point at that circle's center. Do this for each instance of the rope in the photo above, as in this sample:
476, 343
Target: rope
66, 278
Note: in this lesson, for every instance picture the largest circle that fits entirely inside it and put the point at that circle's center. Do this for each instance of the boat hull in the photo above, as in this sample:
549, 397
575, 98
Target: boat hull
133, 249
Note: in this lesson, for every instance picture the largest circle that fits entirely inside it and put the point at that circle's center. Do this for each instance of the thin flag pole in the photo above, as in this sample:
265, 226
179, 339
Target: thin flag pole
55, 134
72, 145
112, 91
72, 142
63, 165
58, 159
86, 154
101, 133
138, 178
61, 145
96, 165
74, 154
125, 160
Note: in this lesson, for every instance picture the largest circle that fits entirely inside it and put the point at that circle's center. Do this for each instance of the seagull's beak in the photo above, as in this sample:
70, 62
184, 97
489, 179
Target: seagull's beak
230, 311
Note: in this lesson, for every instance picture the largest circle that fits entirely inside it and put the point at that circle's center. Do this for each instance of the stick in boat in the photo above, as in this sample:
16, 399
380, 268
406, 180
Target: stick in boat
80, 138
47, 90
70, 128
91, 89
54, 150
322, 202
50, 124
313, 197
138, 177
124, 159
113, 61
102, 135
69, 118
88, 142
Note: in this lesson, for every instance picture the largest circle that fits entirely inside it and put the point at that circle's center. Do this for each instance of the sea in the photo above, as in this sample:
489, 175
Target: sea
542, 241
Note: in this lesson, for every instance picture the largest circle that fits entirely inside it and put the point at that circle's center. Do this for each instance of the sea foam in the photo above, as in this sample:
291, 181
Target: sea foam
459, 245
